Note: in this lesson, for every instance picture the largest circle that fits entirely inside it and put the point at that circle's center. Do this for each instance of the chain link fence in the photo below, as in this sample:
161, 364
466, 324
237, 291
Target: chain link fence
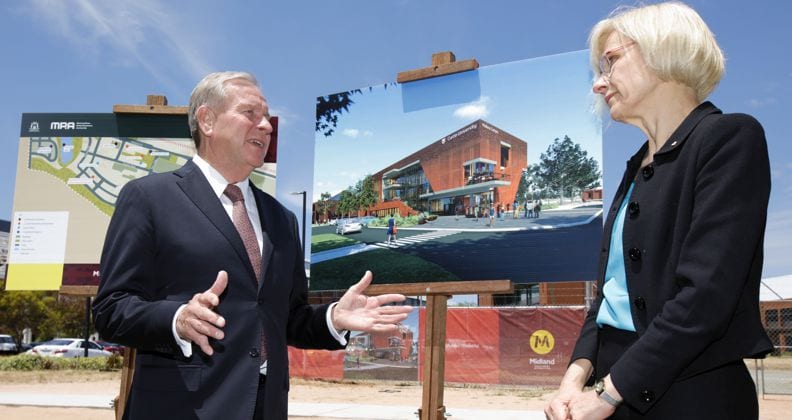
772, 375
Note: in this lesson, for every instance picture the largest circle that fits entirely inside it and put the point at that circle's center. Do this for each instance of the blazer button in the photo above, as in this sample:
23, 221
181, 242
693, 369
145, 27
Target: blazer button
647, 396
640, 303
254, 352
634, 208
634, 253
647, 171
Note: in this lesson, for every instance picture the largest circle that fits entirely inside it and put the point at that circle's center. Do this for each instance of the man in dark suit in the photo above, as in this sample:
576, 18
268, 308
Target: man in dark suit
203, 274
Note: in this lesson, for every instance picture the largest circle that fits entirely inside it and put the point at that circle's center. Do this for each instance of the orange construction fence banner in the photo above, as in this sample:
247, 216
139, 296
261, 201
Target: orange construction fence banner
316, 364
525, 346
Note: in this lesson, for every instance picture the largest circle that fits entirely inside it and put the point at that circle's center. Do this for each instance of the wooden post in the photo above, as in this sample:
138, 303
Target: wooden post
127, 372
443, 63
437, 294
432, 406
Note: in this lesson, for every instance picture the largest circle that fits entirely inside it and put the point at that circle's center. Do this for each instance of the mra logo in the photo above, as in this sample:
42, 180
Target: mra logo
62, 125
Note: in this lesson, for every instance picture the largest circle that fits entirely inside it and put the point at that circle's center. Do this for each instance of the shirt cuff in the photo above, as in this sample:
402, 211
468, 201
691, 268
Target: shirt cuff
184, 345
339, 335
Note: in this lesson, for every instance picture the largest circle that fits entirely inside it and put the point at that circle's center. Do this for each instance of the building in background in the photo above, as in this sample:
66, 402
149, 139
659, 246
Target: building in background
464, 173
775, 303
5, 229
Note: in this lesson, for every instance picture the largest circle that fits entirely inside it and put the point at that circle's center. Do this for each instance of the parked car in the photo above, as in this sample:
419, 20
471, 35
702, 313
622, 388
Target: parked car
68, 347
111, 347
349, 226
28, 346
8, 345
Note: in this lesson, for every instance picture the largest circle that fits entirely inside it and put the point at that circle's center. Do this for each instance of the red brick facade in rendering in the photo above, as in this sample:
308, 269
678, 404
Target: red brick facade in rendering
465, 172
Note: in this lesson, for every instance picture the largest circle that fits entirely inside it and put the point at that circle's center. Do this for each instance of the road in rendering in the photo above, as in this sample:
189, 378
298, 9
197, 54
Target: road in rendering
538, 253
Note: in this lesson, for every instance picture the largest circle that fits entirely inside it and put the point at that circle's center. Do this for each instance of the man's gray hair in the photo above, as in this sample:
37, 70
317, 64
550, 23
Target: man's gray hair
211, 91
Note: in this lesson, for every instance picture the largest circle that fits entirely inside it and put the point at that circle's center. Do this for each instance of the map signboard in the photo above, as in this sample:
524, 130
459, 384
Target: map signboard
70, 170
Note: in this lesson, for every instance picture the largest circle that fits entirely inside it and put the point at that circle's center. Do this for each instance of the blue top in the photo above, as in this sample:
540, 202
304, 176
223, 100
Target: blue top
615, 308
391, 223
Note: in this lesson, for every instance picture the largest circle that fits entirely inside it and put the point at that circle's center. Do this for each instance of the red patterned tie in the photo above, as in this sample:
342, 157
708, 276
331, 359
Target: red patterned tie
245, 228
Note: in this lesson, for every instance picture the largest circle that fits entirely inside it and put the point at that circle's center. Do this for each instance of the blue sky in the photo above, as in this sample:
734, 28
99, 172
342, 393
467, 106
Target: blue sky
87, 55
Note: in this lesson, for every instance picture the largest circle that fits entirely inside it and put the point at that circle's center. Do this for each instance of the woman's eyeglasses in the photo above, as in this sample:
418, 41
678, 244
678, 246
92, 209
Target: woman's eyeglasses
609, 57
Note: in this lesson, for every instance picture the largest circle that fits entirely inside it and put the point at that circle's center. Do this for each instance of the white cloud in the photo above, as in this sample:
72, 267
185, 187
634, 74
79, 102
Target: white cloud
355, 133
135, 33
351, 132
762, 102
474, 110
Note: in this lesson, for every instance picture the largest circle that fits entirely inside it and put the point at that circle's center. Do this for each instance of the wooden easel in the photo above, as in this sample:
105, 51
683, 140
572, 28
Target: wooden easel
437, 294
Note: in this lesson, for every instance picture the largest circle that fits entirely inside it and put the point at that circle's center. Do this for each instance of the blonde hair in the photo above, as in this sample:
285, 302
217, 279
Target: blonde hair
674, 41
211, 91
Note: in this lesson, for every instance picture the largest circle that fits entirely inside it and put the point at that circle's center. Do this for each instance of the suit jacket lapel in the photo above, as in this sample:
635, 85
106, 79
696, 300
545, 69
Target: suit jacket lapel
198, 190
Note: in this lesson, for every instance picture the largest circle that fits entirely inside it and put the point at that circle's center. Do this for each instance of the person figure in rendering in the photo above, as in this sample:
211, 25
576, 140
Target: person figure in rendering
677, 305
492, 214
391, 229
537, 209
203, 274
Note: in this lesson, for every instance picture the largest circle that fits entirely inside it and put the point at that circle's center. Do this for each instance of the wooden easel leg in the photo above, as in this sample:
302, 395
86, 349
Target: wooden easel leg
432, 407
127, 372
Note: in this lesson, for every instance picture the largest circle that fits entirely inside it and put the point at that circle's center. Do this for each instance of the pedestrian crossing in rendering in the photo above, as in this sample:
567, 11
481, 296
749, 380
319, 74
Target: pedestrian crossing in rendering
416, 239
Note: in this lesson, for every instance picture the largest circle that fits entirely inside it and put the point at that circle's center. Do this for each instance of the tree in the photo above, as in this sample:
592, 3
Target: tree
46, 314
67, 317
529, 183
366, 194
566, 168
347, 202
25, 309
329, 108
323, 205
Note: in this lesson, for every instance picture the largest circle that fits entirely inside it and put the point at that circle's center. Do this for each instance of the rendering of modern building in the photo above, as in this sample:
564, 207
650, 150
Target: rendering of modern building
464, 173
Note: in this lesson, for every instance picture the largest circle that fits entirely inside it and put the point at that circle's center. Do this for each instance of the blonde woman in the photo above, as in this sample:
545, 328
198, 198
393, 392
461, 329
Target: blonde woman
677, 296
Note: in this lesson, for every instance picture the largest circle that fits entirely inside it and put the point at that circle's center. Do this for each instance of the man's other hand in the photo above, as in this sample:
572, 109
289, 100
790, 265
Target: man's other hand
358, 312
198, 322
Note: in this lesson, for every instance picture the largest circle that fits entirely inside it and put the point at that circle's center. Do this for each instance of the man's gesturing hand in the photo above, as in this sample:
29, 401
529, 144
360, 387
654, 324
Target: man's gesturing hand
197, 322
358, 312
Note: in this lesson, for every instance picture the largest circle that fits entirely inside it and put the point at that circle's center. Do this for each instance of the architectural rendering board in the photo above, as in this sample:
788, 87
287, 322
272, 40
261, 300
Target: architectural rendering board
488, 174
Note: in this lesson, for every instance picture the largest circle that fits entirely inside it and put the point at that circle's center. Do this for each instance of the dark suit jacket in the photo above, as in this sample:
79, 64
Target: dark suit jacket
167, 240
693, 240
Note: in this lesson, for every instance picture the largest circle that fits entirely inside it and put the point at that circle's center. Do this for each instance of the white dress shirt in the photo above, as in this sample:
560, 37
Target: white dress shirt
218, 184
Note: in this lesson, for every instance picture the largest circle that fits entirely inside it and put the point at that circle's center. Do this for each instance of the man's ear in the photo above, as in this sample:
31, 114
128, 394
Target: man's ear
206, 118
